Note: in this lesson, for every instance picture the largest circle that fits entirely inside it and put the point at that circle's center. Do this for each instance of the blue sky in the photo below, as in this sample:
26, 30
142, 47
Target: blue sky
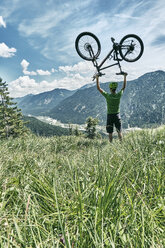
37, 40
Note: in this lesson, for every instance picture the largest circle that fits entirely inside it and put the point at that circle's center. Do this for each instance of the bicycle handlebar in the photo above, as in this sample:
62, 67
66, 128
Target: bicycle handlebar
97, 74
101, 74
122, 73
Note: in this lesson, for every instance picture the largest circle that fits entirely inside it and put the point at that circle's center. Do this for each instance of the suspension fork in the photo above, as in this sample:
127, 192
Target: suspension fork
94, 61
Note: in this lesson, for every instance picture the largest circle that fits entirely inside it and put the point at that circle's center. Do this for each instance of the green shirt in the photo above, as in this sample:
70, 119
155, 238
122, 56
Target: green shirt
113, 102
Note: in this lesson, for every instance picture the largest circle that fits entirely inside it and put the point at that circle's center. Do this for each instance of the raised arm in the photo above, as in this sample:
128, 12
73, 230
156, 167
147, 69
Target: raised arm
98, 84
125, 81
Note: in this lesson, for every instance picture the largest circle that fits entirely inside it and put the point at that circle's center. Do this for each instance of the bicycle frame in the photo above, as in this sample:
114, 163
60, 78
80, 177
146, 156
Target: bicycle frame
114, 56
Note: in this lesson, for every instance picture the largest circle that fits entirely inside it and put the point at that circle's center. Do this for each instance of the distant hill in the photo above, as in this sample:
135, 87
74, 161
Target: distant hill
142, 104
76, 108
39, 104
144, 100
43, 129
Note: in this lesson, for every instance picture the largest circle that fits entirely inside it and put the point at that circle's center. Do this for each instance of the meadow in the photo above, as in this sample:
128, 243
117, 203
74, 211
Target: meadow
71, 191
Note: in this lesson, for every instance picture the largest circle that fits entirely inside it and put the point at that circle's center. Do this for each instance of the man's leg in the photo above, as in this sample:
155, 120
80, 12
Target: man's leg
109, 126
110, 137
120, 135
118, 127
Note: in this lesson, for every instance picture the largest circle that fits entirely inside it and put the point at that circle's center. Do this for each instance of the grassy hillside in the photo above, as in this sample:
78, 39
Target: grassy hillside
44, 129
86, 193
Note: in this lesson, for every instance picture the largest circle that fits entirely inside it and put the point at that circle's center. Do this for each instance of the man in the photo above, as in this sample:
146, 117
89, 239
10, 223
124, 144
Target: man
113, 106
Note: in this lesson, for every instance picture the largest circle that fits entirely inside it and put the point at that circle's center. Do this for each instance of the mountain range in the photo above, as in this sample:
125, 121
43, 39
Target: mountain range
41, 103
142, 104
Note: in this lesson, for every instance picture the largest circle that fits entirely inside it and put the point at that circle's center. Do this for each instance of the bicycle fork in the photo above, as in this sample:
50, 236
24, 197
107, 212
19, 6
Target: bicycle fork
94, 61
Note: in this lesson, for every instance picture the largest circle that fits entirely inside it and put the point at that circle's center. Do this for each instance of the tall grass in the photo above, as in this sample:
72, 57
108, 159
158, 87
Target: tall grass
75, 192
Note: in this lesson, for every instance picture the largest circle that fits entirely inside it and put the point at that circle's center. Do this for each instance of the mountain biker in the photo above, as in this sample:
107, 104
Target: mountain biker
113, 104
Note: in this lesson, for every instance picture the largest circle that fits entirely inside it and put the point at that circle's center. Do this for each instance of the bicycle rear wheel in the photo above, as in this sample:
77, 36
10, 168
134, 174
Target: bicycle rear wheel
87, 46
131, 48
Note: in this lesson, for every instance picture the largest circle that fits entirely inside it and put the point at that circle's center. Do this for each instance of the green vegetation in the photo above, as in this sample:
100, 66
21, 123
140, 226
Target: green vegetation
44, 129
41, 128
11, 123
91, 127
84, 192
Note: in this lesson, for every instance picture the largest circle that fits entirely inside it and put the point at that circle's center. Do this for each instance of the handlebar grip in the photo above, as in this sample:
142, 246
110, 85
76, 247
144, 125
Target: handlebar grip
98, 74
122, 73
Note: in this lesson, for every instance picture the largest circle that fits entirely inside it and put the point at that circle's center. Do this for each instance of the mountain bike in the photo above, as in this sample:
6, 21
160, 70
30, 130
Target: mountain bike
88, 46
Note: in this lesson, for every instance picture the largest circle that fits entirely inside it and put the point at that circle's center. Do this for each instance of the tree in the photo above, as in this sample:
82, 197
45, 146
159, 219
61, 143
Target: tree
77, 132
70, 129
11, 123
91, 127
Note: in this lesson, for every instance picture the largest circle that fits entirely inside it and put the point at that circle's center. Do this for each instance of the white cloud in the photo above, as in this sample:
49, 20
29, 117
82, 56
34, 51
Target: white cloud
82, 67
30, 73
8, 7
42, 25
25, 85
25, 65
76, 76
51, 17
2, 23
126, 16
6, 52
53, 70
43, 73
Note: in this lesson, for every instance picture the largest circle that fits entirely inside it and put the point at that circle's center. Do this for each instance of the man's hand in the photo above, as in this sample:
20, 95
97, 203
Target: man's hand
97, 75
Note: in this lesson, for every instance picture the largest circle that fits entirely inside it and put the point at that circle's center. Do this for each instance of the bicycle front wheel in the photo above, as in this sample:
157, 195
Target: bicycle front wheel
131, 48
87, 46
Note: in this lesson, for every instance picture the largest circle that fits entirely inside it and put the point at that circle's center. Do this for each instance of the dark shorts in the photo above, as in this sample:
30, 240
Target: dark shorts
113, 120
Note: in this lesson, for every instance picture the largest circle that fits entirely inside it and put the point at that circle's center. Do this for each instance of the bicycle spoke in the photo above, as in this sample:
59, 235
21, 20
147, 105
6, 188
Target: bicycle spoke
85, 42
126, 48
88, 46
131, 48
